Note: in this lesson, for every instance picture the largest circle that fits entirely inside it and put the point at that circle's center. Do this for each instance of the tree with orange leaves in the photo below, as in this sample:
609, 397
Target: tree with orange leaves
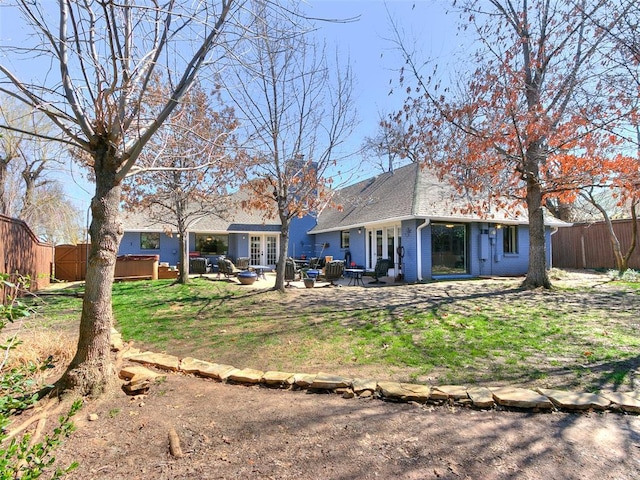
187, 170
623, 179
536, 115
297, 112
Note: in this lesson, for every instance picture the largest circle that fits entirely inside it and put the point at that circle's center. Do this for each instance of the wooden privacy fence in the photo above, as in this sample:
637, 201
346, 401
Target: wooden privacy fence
71, 262
23, 253
587, 245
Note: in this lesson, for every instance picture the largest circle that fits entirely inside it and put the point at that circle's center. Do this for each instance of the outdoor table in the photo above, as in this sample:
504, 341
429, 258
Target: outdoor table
355, 276
260, 269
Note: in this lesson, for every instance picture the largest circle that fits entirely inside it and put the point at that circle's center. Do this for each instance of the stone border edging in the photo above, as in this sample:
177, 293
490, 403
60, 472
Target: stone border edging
476, 397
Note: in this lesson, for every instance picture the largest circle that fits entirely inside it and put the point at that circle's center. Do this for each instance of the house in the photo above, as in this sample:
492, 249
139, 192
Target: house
425, 228
238, 233
408, 216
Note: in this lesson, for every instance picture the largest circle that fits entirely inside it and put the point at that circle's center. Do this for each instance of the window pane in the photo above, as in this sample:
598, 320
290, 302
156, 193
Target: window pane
448, 249
149, 241
212, 244
510, 238
344, 239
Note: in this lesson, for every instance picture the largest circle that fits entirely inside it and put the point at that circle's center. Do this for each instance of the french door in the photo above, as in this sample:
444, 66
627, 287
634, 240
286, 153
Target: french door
382, 243
263, 249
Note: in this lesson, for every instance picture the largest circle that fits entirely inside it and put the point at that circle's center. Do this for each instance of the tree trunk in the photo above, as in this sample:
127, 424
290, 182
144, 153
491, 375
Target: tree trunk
282, 256
91, 368
537, 274
4, 204
183, 271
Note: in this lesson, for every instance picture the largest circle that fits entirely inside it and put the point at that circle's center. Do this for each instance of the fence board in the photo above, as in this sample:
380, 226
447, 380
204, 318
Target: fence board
23, 253
71, 262
587, 245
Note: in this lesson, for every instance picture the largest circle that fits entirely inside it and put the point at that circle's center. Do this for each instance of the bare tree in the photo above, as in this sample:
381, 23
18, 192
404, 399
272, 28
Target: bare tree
188, 167
106, 55
298, 111
27, 187
389, 146
53, 217
535, 114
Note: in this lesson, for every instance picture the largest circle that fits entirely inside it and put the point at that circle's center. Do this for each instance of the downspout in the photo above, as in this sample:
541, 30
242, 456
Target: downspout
554, 230
419, 247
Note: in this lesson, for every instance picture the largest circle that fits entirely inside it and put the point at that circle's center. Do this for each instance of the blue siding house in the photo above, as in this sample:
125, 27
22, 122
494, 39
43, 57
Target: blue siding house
409, 216
425, 228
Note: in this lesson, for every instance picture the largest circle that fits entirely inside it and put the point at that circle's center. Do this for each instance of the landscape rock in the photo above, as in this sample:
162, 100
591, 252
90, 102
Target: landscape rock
129, 372
444, 392
481, 397
116, 341
159, 360
246, 375
520, 398
575, 401
283, 379
360, 386
406, 392
625, 401
324, 381
303, 380
194, 366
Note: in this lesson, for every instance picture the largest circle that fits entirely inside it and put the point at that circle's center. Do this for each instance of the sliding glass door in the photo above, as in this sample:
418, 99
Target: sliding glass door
449, 247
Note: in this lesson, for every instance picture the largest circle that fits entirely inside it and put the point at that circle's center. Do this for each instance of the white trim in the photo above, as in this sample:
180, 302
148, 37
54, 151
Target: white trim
419, 247
454, 219
370, 231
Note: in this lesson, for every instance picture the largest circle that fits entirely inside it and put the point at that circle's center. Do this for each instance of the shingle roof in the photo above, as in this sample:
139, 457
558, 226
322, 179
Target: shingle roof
384, 197
236, 219
409, 192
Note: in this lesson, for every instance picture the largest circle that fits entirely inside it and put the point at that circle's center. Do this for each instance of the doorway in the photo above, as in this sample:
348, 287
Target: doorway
383, 242
263, 249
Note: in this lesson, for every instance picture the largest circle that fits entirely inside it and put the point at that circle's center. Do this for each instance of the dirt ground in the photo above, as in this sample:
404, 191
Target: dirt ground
231, 431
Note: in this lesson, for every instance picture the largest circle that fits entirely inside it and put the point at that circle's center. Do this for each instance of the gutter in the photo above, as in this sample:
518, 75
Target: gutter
419, 247
553, 231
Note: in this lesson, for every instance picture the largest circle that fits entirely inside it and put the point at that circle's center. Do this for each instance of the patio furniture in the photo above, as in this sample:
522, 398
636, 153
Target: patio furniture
243, 263
316, 263
291, 271
333, 271
260, 269
313, 273
227, 268
381, 270
355, 276
198, 265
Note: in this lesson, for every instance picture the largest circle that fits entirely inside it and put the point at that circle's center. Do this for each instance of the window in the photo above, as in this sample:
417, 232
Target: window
449, 248
510, 238
149, 241
344, 239
212, 244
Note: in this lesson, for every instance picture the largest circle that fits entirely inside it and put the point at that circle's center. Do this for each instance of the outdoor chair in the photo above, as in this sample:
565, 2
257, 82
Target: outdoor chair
381, 270
290, 271
333, 271
198, 265
243, 263
227, 268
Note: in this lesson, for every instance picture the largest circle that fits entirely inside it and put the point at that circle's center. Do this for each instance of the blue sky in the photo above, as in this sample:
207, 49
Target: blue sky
372, 56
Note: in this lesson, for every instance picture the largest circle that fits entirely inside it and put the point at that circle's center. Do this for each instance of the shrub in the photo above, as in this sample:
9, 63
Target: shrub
630, 275
23, 458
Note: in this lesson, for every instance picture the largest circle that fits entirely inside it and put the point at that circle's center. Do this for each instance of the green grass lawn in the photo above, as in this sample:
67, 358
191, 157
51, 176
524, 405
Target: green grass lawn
568, 338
